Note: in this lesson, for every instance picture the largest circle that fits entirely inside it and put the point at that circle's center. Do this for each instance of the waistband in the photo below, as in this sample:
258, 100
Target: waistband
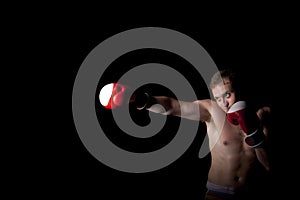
215, 188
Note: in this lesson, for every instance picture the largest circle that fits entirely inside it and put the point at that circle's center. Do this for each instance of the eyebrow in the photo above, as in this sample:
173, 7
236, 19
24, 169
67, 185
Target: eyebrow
226, 92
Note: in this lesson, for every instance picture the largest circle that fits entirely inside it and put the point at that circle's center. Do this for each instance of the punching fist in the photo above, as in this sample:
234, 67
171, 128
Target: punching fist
114, 95
239, 114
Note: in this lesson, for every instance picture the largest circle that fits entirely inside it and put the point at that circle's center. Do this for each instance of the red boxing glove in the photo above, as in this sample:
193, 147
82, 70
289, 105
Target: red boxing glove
114, 94
239, 114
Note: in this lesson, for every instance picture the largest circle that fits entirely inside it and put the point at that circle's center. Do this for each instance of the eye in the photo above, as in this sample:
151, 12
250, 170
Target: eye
218, 99
227, 94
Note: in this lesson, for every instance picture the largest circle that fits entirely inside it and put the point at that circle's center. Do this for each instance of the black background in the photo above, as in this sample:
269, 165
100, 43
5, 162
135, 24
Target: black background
55, 162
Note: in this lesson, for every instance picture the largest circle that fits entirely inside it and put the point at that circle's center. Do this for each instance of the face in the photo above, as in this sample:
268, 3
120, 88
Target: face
224, 95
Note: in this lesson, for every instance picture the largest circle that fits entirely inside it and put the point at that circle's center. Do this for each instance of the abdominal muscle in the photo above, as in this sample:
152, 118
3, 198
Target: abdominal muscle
232, 159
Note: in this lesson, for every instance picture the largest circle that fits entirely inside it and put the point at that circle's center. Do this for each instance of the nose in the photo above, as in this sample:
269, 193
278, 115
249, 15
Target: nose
225, 102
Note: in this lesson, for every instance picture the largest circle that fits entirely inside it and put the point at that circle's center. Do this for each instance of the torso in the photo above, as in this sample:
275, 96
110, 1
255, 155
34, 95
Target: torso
231, 157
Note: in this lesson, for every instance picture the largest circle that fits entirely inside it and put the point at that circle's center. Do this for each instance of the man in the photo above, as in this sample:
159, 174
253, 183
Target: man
237, 135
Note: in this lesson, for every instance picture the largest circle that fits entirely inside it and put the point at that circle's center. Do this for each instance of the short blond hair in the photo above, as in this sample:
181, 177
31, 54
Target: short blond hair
227, 75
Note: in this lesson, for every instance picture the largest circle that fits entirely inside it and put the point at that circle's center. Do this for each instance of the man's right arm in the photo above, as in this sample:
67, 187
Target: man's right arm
115, 95
196, 110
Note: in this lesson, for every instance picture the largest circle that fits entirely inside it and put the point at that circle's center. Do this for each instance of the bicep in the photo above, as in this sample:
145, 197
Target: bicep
197, 110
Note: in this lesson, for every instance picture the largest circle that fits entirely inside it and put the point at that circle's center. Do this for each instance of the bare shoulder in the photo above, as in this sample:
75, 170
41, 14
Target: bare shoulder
204, 102
204, 106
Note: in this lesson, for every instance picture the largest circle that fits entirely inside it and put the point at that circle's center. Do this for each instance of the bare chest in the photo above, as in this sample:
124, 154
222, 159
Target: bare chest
227, 135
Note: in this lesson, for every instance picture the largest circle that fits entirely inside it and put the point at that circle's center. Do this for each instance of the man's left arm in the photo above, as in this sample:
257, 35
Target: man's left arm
262, 153
252, 124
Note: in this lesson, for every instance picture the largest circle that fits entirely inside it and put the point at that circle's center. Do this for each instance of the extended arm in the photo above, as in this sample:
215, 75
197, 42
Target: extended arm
196, 110
114, 95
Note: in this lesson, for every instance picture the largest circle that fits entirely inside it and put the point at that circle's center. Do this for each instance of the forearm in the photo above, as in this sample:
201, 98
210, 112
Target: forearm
165, 105
188, 110
263, 158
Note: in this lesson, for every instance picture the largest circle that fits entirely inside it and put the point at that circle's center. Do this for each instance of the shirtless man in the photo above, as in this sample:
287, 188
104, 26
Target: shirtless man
236, 140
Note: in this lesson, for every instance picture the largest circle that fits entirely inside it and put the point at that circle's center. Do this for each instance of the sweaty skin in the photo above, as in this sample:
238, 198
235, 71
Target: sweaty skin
232, 159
